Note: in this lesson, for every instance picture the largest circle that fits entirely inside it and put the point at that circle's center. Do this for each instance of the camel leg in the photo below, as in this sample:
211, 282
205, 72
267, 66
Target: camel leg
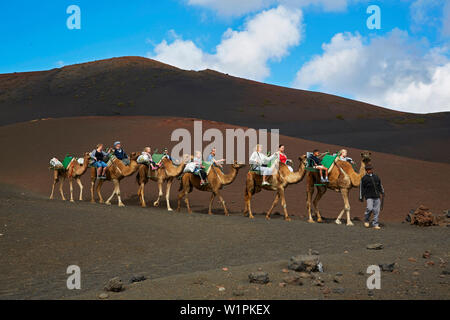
119, 199
141, 194
338, 220
223, 204
309, 194
275, 201
53, 188
186, 200
61, 183
99, 187
116, 191
180, 196
71, 189
78, 180
168, 186
92, 191
184, 194
319, 195
283, 204
211, 202
346, 209
160, 193
248, 206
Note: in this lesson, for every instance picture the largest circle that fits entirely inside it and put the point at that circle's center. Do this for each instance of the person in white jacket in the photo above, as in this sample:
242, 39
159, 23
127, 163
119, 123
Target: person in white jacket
259, 161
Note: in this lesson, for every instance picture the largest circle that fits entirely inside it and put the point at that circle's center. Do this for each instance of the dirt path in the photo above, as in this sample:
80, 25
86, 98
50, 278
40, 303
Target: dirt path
41, 238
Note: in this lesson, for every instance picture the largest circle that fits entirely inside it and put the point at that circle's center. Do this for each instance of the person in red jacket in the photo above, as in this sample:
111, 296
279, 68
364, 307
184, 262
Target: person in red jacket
283, 157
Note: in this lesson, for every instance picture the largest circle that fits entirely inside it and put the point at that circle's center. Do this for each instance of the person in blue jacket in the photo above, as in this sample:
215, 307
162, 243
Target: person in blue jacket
120, 153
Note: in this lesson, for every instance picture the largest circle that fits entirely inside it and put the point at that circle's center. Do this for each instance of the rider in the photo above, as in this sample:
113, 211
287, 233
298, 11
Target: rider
212, 159
120, 153
199, 168
166, 154
100, 156
283, 157
317, 164
343, 156
258, 162
146, 158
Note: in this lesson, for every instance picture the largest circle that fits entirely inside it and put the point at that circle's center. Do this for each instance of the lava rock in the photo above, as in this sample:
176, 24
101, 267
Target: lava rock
423, 217
389, 267
103, 295
375, 246
114, 285
305, 263
259, 277
138, 278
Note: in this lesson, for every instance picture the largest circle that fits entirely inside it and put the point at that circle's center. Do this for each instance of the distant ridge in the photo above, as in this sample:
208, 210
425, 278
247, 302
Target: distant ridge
141, 86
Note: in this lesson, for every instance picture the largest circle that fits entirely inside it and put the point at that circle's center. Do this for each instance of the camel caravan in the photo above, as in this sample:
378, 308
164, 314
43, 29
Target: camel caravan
268, 172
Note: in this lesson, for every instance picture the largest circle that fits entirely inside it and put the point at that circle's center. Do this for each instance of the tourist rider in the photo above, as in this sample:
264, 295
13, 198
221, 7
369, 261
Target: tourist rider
100, 157
120, 153
259, 161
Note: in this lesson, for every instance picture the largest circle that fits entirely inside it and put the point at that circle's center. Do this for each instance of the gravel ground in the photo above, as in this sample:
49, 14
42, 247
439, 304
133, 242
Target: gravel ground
183, 255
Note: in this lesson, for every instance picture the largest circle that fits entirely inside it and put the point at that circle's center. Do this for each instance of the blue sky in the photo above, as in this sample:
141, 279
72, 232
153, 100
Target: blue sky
324, 46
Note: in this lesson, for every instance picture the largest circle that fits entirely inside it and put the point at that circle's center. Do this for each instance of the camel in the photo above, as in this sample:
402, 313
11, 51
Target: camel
278, 182
166, 173
342, 178
74, 171
115, 173
216, 181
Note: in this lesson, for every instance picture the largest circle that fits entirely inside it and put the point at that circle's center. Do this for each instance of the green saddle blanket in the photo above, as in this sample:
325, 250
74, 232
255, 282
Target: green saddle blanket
67, 160
206, 166
328, 160
157, 157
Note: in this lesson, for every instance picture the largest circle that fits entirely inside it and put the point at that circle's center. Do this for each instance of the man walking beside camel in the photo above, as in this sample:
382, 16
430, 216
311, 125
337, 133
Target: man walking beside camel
372, 190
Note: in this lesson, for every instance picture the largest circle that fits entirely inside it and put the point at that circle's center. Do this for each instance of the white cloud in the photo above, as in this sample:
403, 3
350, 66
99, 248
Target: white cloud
239, 7
268, 36
60, 64
392, 71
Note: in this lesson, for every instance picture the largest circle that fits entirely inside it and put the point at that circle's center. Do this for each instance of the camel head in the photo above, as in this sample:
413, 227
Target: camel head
87, 155
303, 159
365, 156
237, 166
134, 156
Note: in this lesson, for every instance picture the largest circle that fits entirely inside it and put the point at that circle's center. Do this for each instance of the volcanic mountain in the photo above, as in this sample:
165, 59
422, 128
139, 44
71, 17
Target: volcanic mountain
133, 86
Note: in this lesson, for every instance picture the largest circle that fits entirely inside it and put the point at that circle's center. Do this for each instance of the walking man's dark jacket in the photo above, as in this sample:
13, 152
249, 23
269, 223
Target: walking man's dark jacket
370, 187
